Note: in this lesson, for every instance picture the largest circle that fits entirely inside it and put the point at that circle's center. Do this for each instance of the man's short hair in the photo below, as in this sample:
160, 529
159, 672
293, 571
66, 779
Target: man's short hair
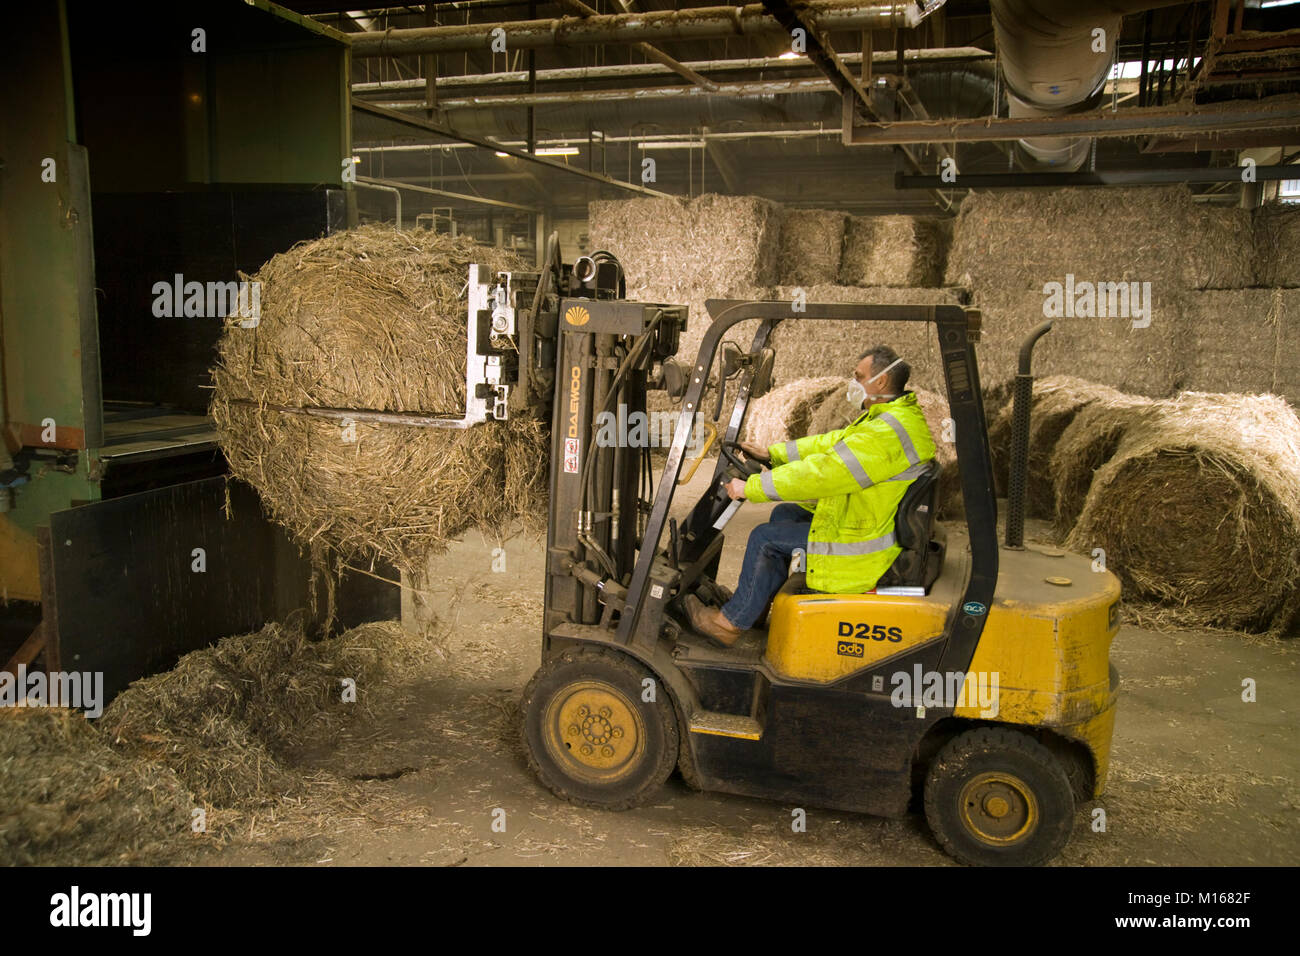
881, 357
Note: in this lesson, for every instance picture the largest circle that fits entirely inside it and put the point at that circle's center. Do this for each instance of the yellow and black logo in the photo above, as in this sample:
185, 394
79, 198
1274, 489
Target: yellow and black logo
577, 315
849, 649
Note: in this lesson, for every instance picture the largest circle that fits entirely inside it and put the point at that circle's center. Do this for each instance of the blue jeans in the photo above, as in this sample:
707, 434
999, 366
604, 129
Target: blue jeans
767, 562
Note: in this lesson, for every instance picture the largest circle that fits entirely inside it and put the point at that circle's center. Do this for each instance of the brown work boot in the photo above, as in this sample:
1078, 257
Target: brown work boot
711, 622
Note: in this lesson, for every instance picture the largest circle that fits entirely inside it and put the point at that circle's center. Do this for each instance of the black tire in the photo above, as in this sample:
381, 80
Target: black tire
616, 753
996, 797
686, 761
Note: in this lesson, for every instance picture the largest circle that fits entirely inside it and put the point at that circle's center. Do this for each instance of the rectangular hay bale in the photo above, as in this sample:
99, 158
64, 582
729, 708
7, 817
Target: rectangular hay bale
1245, 340
895, 251
1155, 234
1277, 245
812, 241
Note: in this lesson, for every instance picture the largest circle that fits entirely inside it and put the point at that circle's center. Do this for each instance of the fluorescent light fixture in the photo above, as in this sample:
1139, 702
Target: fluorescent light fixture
557, 151
789, 55
672, 144
499, 153
1277, 3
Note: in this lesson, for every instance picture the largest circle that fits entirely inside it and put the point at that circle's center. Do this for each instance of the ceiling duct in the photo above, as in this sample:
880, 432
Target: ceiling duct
1055, 56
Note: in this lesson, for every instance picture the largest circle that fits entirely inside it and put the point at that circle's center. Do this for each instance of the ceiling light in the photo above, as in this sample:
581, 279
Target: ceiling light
789, 55
557, 151
673, 144
499, 153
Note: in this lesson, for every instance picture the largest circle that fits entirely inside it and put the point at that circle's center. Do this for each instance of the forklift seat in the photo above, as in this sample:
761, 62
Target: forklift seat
918, 564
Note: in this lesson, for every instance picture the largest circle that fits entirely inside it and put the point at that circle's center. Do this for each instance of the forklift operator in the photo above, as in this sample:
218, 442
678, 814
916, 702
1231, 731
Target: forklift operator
842, 490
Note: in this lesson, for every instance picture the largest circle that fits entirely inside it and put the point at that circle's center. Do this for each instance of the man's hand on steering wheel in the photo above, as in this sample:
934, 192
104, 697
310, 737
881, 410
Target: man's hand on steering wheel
756, 452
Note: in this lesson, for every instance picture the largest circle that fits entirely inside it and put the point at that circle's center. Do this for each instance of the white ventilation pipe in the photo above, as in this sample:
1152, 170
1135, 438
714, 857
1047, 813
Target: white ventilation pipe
1055, 56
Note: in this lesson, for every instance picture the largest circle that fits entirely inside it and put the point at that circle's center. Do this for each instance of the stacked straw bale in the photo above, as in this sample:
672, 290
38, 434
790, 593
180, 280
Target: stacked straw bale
1277, 245
1199, 509
371, 319
678, 252
1154, 234
895, 251
1087, 443
1245, 340
812, 242
1008, 245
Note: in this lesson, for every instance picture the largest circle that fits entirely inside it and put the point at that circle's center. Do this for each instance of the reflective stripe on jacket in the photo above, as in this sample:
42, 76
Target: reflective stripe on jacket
852, 480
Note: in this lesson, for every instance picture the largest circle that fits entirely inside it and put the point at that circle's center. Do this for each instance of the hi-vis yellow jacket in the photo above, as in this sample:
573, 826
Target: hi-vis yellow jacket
857, 476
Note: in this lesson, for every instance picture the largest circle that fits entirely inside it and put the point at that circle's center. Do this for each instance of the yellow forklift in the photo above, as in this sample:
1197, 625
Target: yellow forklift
974, 681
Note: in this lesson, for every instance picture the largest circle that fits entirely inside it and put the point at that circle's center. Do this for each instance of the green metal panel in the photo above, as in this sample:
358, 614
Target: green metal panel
46, 278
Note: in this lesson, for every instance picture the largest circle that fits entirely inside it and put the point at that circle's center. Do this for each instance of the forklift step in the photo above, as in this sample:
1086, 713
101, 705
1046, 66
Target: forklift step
692, 648
726, 725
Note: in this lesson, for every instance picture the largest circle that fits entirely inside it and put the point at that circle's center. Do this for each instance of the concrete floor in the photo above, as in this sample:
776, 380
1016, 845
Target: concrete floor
1198, 776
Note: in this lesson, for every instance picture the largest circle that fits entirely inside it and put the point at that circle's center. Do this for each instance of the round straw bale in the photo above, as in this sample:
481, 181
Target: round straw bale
1056, 401
1199, 509
785, 412
1087, 443
370, 319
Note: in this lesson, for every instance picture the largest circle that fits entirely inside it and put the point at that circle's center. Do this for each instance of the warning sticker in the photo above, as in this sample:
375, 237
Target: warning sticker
571, 448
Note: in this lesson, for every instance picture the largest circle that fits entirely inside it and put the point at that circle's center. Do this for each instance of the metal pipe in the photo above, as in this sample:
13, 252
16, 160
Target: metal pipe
960, 54
646, 50
702, 23
651, 139
1112, 177
365, 182
442, 130
1213, 118
396, 184
759, 88
1018, 474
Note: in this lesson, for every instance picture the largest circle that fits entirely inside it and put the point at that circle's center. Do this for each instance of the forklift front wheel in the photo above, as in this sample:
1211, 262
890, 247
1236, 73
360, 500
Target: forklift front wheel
997, 797
599, 729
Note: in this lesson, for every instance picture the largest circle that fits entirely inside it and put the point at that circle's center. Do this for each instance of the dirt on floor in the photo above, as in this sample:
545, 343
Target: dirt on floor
433, 773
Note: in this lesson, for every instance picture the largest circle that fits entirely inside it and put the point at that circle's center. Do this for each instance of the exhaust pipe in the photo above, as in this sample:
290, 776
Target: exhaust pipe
1024, 399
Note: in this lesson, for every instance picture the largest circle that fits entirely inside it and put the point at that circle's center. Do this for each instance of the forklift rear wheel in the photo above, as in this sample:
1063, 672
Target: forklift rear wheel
592, 736
996, 797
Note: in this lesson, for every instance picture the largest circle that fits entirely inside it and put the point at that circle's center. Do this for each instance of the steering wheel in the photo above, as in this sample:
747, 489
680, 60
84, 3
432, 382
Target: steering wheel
736, 457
